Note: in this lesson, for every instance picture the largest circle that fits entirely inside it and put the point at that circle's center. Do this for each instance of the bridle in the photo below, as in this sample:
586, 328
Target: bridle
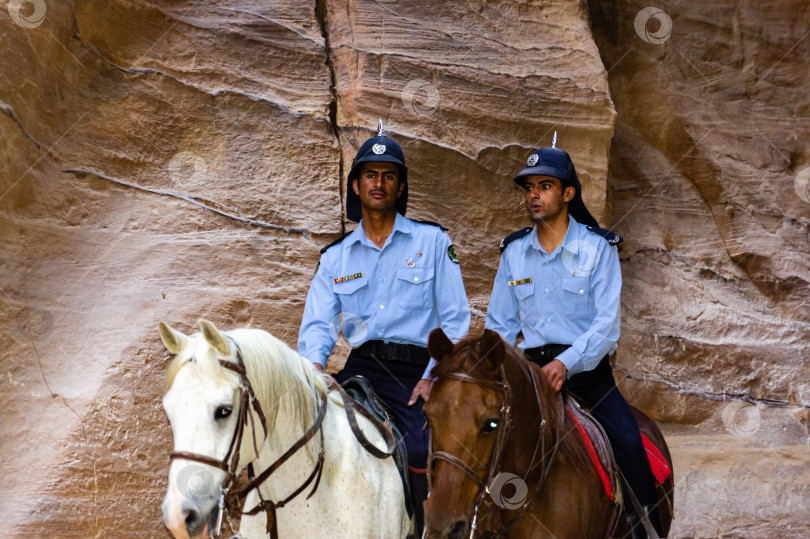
484, 497
230, 461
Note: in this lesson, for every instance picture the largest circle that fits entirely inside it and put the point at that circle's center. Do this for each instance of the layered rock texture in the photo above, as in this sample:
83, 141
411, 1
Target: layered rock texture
178, 160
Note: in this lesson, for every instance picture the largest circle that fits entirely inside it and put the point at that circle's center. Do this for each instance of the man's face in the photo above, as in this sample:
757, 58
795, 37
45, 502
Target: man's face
378, 186
545, 197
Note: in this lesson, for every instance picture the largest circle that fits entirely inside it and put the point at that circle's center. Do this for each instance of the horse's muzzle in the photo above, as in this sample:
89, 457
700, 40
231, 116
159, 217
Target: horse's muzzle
189, 520
451, 530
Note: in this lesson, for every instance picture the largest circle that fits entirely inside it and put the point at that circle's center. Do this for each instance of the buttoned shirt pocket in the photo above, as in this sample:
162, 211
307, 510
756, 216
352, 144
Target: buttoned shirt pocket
349, 294
527, 303
415, 288
523, 291
577, 296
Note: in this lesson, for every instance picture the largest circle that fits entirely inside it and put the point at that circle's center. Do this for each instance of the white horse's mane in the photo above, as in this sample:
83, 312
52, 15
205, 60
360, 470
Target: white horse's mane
279, 375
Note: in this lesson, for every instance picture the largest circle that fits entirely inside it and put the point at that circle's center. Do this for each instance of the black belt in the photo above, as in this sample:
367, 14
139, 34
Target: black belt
601, 375
407, 353
544, 354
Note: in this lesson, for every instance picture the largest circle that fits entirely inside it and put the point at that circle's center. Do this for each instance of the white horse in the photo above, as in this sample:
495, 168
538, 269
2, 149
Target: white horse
358, 495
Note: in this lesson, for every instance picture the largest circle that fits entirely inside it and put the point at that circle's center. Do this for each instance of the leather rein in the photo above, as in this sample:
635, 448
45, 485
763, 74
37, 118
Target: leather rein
484, 497
229, 463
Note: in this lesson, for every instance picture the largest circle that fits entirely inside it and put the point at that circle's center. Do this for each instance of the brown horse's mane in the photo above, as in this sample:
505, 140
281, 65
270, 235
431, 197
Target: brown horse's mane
467, 358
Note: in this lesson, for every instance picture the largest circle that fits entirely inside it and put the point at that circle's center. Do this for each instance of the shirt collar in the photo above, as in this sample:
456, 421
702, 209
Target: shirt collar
401, 225
570, 243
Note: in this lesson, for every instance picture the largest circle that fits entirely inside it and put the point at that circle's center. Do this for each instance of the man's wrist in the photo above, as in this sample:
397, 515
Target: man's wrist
566, 361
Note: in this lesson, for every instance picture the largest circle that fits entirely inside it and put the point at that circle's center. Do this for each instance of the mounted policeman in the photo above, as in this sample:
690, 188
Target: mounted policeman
559, 283
385, 286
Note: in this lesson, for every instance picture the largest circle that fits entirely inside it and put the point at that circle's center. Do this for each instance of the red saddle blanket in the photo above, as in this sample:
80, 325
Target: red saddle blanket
660, 468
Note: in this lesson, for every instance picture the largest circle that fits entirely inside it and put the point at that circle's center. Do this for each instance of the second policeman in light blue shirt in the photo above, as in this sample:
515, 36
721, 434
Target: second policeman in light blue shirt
559, 284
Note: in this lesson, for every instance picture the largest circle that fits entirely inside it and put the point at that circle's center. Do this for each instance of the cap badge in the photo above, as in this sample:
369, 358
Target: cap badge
378, 149
533, 158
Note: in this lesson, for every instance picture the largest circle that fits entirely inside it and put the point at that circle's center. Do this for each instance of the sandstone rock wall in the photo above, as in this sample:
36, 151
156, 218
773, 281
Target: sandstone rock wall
708, 190
177, 160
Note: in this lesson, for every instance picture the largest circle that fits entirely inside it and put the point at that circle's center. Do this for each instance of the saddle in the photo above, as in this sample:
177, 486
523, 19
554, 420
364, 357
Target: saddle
598, 446
601, 454
362, 395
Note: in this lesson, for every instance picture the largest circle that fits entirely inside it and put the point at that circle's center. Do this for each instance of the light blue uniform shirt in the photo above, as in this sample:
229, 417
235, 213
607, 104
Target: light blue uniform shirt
571, 296
399, 293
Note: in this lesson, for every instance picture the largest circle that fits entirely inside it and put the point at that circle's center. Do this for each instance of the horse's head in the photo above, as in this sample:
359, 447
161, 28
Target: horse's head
465, 412
202, 402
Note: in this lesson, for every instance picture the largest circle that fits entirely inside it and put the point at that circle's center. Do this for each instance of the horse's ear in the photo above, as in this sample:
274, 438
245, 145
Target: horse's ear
173, 340
439, 345
492, 348
213, 337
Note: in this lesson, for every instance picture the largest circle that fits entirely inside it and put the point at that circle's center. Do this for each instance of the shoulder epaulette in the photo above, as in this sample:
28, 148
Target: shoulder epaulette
612, 239
431, 223
340, 239
514, 236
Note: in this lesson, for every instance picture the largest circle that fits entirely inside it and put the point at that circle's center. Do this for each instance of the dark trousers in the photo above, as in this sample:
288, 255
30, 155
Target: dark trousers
393, 381
598, 391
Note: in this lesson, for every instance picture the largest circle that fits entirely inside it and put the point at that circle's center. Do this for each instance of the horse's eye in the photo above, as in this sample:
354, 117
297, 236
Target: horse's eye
222, 412
489, 426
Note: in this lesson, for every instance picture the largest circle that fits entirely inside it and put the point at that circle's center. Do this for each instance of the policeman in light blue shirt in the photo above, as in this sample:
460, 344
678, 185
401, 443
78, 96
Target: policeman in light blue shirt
559, 284
385, 286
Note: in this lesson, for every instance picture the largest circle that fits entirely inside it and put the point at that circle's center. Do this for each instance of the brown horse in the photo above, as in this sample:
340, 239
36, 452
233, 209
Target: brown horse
506, 460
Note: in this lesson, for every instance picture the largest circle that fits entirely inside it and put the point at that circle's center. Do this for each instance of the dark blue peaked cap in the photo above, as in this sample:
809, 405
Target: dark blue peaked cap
557, 164
379, 149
